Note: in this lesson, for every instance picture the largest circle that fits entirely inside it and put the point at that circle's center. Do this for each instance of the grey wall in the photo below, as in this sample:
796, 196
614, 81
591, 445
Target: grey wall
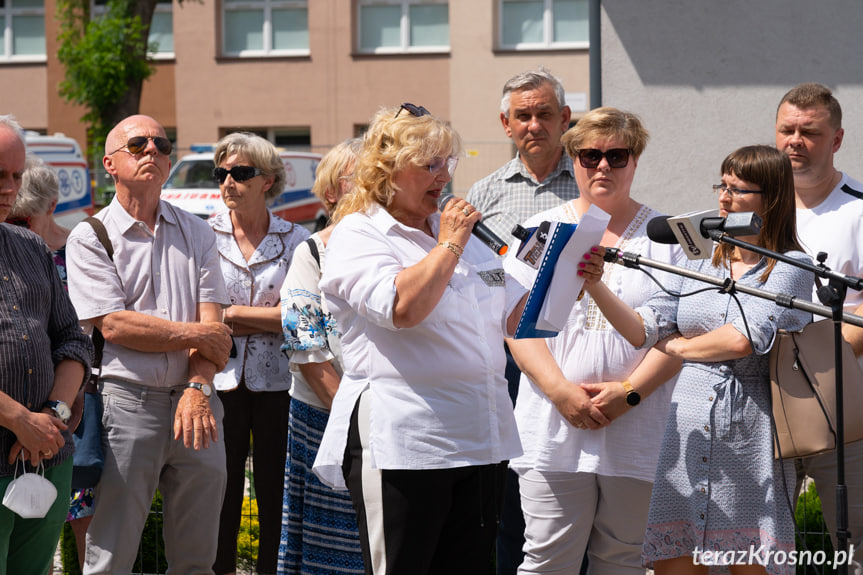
706, 77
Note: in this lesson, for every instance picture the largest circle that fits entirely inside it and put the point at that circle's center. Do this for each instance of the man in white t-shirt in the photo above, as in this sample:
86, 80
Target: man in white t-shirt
829, 219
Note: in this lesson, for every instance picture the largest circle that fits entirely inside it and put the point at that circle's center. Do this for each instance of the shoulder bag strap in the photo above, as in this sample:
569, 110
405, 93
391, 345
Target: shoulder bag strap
313, 247
102, 235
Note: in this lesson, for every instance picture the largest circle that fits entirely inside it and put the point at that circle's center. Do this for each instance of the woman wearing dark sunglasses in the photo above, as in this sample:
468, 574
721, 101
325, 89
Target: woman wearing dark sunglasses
720, 497
590, 406
256, 248
421, 425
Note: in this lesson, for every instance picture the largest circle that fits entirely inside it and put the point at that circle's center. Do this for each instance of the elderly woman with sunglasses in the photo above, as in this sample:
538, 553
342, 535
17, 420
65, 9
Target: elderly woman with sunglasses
591, 407
256, 248
421, 425
720, 497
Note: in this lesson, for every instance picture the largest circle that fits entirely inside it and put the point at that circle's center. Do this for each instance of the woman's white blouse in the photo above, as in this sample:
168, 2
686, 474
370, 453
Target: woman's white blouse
256, 283
590, 350
438, 395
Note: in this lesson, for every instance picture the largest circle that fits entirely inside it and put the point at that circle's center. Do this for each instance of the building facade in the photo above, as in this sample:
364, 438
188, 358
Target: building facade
308, 74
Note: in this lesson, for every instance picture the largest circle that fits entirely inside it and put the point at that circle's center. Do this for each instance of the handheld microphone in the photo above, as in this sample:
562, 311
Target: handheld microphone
696, 231
480, 230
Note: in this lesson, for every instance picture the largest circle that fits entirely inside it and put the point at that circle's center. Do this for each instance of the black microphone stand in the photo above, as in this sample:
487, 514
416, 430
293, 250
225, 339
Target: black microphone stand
831, 295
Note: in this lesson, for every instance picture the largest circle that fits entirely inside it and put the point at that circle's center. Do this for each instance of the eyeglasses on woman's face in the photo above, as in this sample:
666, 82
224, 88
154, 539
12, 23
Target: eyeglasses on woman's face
237, 173
735, 192
590, 157
437, 164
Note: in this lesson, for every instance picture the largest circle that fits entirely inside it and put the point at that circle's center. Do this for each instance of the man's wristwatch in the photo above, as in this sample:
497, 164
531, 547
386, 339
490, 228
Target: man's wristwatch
204, 388
60, 409
633, 398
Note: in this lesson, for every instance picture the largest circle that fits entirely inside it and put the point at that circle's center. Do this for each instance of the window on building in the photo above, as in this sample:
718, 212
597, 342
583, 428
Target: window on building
162, 30
296, 139
265, 28
161, 27
22, 30
391, 26
543, 24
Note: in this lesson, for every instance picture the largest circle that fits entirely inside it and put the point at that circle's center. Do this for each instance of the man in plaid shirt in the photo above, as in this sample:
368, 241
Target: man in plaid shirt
534, 114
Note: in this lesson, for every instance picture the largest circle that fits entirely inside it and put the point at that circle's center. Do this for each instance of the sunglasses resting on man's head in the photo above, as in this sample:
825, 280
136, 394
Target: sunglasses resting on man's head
138, 144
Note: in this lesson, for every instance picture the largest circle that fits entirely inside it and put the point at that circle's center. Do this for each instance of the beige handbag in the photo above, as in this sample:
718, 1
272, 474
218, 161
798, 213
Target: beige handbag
803, 390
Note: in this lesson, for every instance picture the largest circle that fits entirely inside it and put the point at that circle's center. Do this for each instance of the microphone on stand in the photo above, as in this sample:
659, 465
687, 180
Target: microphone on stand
480, 230
696, 231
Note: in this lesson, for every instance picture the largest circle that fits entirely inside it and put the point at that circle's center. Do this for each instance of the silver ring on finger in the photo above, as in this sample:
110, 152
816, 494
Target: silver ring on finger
466, 211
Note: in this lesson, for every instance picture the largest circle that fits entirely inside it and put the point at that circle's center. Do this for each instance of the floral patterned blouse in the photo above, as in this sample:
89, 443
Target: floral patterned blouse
257, 283
311, 334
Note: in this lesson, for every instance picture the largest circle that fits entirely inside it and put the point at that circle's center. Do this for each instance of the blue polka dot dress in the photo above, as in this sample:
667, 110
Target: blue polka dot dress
718, 487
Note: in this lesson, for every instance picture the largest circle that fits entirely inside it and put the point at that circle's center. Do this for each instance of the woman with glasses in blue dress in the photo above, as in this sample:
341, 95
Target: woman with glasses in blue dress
719, 495
421, 426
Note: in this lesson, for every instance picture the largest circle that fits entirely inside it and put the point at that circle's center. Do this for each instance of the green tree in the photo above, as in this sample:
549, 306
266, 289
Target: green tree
105, 59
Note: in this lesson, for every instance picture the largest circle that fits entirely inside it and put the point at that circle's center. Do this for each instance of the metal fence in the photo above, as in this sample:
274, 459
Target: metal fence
812, 538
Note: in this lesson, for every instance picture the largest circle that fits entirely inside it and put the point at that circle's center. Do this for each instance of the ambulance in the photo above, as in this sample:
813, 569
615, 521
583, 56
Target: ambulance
75, 198
192, 186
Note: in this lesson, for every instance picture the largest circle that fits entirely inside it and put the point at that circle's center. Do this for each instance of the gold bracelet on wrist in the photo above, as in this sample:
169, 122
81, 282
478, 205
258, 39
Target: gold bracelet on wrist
456, 249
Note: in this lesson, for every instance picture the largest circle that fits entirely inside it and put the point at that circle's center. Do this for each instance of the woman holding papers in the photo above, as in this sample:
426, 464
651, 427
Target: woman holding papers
421, 425
719, 496
591, 407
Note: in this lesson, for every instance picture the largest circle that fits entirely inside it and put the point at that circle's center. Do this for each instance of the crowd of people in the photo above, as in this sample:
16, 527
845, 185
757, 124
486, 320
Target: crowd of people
397, 424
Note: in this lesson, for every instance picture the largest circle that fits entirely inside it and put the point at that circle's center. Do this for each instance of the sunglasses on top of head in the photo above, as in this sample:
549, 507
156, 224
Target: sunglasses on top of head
590, 158
413, 109
238, 173
138, 144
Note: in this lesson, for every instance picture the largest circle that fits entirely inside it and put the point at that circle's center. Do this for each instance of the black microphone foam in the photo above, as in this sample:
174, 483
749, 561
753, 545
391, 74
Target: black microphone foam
480, 230
659, 231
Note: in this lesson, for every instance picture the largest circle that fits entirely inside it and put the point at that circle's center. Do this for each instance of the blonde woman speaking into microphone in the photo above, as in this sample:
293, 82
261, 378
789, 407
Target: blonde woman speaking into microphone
421, 426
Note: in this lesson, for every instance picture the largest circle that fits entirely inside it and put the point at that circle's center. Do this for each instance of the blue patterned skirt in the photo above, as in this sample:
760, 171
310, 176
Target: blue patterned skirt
319, 525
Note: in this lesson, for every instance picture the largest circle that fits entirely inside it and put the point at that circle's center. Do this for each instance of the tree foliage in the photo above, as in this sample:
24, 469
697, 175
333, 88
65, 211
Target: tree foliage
105, 59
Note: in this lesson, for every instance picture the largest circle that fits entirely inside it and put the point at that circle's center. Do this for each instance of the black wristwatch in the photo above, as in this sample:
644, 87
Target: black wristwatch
60, 408
633, 398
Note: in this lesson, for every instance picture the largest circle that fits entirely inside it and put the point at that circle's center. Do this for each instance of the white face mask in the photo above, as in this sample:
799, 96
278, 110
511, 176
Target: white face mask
30, 495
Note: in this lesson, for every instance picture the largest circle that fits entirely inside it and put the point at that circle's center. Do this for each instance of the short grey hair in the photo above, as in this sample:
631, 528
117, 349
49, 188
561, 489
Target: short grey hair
261, 153
8, 121
39, 188
531, 80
